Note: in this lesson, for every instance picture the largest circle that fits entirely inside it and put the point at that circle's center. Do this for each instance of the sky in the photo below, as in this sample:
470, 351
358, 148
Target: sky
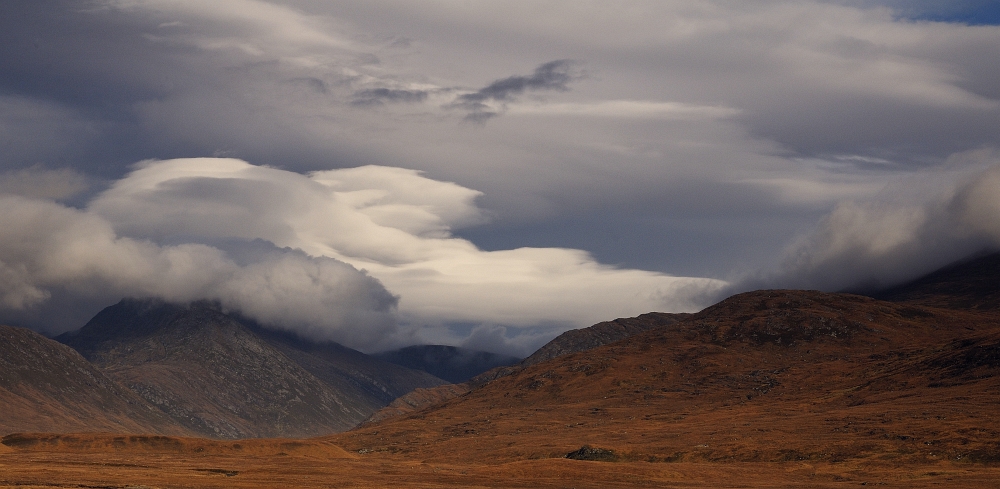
384, 173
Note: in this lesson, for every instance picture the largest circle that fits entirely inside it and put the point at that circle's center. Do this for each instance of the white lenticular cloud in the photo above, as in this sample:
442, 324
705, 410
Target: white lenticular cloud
395, 224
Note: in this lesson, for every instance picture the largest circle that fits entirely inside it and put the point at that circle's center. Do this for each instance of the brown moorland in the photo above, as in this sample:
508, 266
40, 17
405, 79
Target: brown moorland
767, 376
765, 389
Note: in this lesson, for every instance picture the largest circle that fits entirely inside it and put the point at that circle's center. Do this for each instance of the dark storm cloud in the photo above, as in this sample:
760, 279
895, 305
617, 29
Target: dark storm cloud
971, 12
80, 55
379, 96
79, 69
554, 75
100, 85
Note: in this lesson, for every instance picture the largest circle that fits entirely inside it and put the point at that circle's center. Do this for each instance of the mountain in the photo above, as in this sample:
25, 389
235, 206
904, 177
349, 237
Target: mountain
222, 378
766, 376
576, 340
572, 341
47, 386
968, 284
450, 363
375, 381
773, 388
418, 399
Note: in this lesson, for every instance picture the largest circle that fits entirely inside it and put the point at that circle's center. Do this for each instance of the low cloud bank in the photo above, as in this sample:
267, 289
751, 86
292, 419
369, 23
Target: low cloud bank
917, 226
311, 253
47, 246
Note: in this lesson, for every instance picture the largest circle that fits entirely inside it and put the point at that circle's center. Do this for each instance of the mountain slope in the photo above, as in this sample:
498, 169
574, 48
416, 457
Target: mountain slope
762, 376
47, 386
572, 341
576, 340
971, 284
450, 363
220, 378
350, 371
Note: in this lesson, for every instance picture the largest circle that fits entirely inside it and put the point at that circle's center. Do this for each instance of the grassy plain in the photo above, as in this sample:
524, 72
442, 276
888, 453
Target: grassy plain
116, 461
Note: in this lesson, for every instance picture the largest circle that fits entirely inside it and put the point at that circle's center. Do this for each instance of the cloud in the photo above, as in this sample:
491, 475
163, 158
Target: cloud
643, 109
35, 181
493, 338
554, 75
395, 224
275, 28
705, 136
914, 228
378, 96
33, 131
46, 246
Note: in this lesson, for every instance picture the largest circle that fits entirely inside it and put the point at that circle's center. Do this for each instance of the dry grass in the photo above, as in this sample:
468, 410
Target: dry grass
771, 389
267, 463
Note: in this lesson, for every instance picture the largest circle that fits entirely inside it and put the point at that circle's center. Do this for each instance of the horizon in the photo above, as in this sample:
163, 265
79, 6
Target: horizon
486, 176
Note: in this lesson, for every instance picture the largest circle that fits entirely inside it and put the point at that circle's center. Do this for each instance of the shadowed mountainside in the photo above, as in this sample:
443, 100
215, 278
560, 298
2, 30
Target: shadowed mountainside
450, 363
220, 378
45, 385
970, 284
372, 381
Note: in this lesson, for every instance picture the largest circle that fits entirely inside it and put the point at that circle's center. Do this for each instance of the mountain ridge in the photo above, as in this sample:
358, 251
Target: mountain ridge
770, 388
571, 341
969, 284
451, 363
222, 378
801, 365
48, 386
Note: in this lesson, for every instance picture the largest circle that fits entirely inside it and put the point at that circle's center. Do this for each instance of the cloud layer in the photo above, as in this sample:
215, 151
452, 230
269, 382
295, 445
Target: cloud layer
915, 227
396, 224
184, 230
48, 246
694, 138
692, 116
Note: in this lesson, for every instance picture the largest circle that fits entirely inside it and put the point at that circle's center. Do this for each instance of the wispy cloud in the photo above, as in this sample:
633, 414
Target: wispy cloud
628, 109
554, 75
379, 96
